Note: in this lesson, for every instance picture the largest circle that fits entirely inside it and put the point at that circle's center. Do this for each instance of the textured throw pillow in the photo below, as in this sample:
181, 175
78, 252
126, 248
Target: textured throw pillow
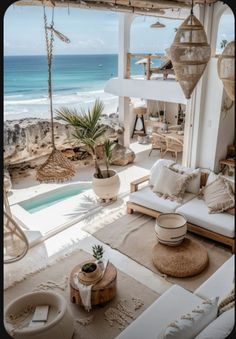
156, 167
170, 184
194, 184
219, 328
227, 302
190, 324
218, 196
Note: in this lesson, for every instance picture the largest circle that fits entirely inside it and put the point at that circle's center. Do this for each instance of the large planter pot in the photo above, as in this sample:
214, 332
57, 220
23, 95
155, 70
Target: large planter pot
170, 228
107, 187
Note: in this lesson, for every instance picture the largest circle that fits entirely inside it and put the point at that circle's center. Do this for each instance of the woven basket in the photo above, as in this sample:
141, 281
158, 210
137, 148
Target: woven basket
190, 54
225, 68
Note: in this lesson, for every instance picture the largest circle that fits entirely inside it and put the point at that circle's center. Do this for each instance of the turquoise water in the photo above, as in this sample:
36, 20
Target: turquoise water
37, 204
77, 81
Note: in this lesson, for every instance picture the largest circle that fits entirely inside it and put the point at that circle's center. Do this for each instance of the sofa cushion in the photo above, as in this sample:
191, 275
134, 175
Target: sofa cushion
147, 198
157, 316
220, 328
219, 283
156, 167
170, 184
219, 196
196, 212
194, 184
188, 325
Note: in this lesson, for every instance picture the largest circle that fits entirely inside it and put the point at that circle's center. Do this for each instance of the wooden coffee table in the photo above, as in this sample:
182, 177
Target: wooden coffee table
102, 292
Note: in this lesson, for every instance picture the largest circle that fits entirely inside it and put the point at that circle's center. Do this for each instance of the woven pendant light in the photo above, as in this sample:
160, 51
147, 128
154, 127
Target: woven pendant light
190, 53
57, 168
225, 68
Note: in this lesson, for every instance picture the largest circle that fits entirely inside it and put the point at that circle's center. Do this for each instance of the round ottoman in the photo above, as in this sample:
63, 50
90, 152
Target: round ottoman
59, 325
186, 260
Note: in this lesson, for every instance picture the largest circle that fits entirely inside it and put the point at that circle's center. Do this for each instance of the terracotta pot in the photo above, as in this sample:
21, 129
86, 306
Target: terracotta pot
170, 228
107, 187
90, 275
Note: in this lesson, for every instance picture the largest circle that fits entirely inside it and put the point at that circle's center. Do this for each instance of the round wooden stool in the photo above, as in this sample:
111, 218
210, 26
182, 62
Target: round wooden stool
102, 292
139, 111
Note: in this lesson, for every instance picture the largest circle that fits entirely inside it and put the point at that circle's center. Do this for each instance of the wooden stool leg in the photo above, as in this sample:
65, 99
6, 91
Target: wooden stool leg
135, 123
143, 129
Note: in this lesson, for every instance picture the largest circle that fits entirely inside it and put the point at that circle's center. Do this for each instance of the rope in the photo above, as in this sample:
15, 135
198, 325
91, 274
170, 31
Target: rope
49, 46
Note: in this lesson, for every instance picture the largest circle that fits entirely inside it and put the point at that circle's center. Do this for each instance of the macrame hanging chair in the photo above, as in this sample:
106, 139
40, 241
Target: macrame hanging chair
15, 243
57, 168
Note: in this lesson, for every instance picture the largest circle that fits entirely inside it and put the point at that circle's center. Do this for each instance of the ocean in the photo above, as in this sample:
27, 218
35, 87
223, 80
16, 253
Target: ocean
78, 80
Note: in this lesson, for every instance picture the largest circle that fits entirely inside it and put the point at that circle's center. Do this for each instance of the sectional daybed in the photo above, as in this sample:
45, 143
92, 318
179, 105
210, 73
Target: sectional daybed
177, 301
218, 226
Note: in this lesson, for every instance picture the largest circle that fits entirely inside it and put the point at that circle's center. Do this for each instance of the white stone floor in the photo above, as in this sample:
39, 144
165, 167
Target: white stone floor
74, 237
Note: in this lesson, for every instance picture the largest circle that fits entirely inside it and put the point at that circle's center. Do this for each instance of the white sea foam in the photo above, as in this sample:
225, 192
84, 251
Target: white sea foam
39, 107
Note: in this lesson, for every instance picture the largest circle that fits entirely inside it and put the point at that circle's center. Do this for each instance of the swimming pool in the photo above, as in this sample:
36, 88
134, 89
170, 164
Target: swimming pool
48, 199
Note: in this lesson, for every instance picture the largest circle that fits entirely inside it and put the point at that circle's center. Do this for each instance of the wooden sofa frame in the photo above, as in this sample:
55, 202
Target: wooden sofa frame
131, 207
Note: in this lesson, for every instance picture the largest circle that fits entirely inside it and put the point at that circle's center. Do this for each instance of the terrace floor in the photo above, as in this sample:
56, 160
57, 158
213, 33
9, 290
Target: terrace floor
73, 237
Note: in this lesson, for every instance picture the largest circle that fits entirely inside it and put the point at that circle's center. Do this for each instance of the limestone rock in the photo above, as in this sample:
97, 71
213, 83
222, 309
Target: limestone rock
122, 156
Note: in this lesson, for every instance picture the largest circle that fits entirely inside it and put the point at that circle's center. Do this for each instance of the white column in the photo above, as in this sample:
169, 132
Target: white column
125, 21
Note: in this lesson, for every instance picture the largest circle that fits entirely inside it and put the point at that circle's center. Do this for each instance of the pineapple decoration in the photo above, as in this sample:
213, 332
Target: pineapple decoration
190, 53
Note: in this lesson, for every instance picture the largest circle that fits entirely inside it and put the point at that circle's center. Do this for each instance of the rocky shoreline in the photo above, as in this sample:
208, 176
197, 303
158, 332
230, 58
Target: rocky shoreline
27, 143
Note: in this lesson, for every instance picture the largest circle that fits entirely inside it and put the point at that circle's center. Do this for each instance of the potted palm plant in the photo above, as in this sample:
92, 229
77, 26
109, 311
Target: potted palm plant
88, 132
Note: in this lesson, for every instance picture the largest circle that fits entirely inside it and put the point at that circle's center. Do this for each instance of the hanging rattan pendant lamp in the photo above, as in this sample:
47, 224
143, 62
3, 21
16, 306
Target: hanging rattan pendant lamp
225, 68
57, 168
190, 53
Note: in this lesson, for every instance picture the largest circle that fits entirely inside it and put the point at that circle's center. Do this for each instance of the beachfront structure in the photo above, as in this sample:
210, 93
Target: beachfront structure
163, 291
205, 140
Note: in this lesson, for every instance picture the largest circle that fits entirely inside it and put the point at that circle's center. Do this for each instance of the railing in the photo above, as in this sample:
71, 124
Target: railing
148, 69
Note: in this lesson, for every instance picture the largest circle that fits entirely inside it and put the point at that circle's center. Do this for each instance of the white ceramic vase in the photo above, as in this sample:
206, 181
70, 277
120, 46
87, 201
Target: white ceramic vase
107, 187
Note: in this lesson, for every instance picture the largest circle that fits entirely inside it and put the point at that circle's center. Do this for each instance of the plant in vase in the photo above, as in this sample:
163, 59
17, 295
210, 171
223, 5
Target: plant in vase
88, 132
90, 271
98, 252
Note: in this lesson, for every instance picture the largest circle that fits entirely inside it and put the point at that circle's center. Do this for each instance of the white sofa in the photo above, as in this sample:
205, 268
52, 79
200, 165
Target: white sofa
219, 227
177, 301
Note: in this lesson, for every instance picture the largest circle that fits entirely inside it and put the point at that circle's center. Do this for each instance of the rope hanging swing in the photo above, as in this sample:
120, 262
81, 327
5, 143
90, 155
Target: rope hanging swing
57, 168
15, 243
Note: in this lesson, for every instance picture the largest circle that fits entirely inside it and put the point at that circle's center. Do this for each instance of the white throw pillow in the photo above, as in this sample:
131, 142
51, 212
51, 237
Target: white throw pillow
156, 167
194, 184
191, 324
220, 328
170, 184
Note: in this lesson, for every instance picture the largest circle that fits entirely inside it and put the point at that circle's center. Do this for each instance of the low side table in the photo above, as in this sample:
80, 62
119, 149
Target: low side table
102, 292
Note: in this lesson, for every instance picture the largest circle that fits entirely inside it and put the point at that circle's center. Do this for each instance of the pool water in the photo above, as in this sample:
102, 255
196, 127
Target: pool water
48, 199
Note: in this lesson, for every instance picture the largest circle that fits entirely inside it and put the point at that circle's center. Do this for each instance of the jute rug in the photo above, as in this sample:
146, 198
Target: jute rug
100, 322
134, 236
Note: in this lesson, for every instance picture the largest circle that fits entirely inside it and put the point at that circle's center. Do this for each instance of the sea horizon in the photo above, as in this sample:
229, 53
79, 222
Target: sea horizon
77, 81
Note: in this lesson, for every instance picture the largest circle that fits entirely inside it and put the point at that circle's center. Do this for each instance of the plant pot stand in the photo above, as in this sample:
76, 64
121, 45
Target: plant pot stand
102, 292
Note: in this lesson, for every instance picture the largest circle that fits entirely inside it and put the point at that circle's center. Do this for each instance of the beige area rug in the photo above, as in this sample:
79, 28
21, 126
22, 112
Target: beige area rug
134, 236
129, 291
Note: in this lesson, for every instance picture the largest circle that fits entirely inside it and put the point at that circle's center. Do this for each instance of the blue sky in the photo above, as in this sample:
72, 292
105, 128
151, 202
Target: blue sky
90, 32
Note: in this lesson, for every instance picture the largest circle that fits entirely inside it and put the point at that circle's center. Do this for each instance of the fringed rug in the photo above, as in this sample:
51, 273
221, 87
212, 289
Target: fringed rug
134, 236
104, 322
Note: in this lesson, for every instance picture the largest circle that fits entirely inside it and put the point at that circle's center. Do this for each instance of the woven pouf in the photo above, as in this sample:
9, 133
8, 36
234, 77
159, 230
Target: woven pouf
187, 259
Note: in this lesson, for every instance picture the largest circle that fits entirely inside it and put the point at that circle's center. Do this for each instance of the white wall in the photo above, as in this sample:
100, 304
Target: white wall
164, 90
209, 118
